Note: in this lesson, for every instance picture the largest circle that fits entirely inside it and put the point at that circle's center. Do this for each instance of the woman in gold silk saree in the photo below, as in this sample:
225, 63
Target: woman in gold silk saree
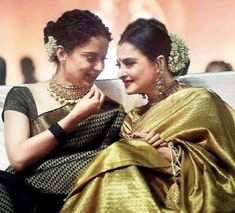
131, 176
177, 152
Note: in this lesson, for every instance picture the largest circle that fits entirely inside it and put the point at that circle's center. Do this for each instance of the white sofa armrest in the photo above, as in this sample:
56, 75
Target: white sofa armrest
222, 83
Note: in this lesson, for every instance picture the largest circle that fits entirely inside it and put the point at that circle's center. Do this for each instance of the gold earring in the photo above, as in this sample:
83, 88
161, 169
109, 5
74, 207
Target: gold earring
160, 82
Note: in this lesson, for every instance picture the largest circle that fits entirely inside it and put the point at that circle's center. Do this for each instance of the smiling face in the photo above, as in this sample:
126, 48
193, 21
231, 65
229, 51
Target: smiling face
84, 64
135, 70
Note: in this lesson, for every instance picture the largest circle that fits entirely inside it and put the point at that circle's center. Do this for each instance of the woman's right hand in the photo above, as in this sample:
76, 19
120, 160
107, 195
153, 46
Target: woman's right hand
89, 104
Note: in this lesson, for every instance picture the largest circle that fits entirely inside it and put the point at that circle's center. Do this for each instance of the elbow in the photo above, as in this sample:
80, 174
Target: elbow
19, 164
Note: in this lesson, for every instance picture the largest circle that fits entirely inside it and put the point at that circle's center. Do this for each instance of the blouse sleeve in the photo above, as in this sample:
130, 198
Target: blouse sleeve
16, 100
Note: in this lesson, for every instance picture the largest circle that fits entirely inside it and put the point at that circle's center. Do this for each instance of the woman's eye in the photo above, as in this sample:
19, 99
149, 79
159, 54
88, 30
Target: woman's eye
129, 63
90, 58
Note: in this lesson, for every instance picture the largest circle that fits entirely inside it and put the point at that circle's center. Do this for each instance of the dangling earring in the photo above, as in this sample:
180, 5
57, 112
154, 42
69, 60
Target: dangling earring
160, 82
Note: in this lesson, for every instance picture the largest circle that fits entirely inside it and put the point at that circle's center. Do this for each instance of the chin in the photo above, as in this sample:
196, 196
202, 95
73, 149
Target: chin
131, 89
130, 92
88, 84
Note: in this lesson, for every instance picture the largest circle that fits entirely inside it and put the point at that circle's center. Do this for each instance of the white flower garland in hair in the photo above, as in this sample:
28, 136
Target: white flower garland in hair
51, 47
178, 57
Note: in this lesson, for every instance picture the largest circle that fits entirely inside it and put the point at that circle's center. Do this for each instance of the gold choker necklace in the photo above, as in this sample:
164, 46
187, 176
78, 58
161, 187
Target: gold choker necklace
65, 94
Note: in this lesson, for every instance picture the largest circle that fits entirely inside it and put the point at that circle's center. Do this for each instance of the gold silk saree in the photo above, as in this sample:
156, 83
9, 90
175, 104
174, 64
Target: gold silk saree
131, 175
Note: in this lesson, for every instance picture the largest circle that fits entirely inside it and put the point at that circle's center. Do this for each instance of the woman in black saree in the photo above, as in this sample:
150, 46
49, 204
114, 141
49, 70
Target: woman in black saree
54, 128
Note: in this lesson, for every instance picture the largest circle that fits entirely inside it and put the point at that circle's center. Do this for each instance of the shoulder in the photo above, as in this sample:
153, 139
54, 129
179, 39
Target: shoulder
20, 89
36, 86
198, 96
196, 92
27, 90
20, 99
18, 92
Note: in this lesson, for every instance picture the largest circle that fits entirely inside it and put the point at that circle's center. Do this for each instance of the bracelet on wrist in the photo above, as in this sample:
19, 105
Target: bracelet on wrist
58, 132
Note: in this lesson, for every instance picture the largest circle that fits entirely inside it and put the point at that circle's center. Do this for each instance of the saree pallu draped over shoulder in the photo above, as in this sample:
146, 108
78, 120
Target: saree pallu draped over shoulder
131, 176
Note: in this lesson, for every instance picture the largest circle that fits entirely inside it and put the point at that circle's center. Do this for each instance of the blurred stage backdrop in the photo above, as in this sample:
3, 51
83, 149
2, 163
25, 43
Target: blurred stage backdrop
207, 26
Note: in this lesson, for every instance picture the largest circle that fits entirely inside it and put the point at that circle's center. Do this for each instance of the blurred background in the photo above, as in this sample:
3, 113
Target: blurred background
207, 27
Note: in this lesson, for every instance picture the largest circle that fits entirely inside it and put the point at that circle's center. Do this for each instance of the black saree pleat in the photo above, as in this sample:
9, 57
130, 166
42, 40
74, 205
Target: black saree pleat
19, 197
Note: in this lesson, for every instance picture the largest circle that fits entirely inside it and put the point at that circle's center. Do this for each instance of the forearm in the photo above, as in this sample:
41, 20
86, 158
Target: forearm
26, 151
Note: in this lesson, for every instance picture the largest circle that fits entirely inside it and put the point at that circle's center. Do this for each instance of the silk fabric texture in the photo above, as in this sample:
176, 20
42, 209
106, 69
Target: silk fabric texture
131, 176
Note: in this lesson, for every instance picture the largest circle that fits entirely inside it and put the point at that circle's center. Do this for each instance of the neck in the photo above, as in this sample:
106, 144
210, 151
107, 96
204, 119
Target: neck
171, 87
63, 79
154, 94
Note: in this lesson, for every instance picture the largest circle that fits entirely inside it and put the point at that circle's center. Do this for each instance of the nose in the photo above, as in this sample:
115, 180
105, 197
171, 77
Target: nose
99, 66
122, 73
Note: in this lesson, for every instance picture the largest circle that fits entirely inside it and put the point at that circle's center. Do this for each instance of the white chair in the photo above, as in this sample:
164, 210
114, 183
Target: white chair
222, 83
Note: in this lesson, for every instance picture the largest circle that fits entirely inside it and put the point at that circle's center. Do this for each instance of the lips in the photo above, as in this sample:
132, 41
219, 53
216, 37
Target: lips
127, 83
91, 77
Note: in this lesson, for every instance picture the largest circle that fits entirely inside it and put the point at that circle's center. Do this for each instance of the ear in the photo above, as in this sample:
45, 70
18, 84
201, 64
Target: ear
160, 63
61, 54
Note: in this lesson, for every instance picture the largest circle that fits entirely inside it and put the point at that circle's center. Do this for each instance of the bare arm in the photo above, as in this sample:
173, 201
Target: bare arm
23, 150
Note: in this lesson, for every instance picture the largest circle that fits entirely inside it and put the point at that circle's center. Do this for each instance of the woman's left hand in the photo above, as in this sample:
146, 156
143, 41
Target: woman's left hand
155, 140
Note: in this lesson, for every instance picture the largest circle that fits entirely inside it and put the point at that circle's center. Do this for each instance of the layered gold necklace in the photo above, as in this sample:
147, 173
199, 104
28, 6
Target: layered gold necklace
65, 94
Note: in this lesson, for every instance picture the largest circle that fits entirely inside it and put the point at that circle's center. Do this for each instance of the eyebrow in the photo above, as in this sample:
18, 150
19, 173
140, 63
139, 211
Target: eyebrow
127, 59
93, 53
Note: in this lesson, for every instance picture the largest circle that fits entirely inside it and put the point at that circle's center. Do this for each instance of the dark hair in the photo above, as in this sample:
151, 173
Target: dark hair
74, 28
219, 65
151, 37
